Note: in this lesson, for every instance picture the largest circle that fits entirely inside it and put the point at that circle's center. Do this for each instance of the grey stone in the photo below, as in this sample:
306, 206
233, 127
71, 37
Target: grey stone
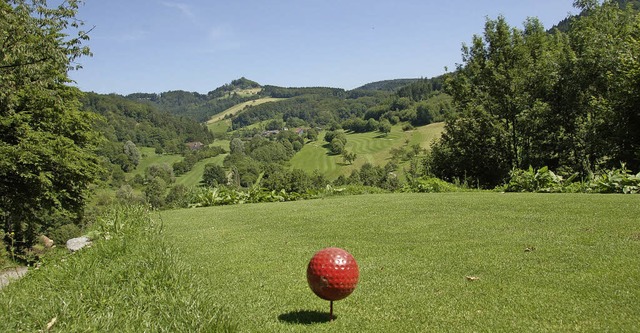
75, 244
11, 274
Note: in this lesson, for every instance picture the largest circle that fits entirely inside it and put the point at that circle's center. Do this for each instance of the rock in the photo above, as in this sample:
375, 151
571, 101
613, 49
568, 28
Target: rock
46, 241
11, 274
75, 244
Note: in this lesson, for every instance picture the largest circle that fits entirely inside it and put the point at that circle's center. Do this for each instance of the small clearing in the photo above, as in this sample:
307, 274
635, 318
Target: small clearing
232, 111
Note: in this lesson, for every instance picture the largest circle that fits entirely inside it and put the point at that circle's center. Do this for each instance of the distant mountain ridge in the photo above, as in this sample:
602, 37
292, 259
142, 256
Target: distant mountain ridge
388, 85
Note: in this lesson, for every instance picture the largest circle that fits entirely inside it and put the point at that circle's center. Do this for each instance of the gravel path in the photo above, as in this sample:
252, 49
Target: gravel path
11, 274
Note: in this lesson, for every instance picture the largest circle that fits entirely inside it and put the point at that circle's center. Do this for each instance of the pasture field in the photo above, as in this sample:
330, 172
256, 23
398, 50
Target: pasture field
194, 176
454, 262
239, 107
220, 127
370, 147
150, 157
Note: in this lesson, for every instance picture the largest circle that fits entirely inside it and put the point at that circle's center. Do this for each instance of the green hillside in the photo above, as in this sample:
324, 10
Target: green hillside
370, 147
387, 85
193, 177
232, 111
149, 157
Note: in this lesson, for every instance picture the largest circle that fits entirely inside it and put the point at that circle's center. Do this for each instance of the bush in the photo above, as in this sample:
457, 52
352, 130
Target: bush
4, 255
615, 181
544, 180
178, 196
62, 234
541, 180
429, 185
407, 127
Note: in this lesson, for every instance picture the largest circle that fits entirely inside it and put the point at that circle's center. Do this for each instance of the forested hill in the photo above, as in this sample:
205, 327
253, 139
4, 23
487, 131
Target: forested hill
387, 85
143, 123
200, 107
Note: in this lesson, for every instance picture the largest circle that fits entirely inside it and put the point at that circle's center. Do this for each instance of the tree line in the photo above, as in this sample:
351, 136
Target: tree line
569, 101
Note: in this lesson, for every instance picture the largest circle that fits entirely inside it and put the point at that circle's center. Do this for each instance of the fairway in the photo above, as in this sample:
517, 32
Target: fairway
149, 157
539, 262
371, 147
194, 176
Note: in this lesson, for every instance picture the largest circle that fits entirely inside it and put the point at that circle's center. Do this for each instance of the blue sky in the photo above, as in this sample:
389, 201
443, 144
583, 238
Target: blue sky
199, 45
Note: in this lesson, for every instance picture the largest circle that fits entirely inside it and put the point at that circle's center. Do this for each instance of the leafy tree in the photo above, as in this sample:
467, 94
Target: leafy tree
214, 175
163, 171
155, 191
471, 147
384, 126
349, 157
312, 134
275, 125
178, 196
336, 146
47, 145
236, 146
566, 101
603, 95
423, 114
132, 152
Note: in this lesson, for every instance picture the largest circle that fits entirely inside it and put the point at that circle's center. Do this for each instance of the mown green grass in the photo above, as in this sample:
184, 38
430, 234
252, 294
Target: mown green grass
544, 262
194, 176
425, 135
219, 128
149, 157
371, 147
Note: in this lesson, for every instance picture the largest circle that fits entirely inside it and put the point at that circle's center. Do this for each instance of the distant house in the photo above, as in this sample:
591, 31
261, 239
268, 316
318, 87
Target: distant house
196, 145
299, 131
270, 133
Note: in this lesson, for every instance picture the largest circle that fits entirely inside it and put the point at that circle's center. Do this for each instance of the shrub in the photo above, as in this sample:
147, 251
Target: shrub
407, 127
615, 181
544, 180
62, 234
4, 255
541, 180
178, 197
429, 185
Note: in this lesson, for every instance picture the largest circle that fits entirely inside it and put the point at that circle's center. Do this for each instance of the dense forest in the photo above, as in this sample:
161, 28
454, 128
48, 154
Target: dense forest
387, 85
566, 101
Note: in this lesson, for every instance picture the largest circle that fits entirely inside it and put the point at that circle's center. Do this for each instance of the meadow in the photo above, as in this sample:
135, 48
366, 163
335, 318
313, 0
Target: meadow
371, 147
240, 107
455, 262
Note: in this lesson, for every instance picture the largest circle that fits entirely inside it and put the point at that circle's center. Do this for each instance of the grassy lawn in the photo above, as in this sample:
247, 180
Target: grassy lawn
219, 128
543, 262
370, 147
149, 157
193, 177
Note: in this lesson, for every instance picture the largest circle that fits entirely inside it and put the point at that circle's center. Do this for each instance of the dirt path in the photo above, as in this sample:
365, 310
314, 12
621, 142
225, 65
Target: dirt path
11, 274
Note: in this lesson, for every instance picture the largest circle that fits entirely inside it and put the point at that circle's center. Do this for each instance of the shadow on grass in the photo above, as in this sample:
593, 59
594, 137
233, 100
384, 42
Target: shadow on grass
305, 317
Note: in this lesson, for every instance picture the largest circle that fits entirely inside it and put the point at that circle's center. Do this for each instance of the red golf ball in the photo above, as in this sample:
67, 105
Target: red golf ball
332, 274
